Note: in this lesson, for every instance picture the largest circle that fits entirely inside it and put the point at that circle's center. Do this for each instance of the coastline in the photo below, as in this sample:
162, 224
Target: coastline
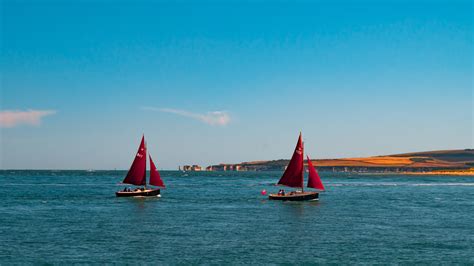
442, 162
450, 173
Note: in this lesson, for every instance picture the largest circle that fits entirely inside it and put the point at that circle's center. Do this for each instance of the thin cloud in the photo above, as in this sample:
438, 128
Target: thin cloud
13, 118
220, 118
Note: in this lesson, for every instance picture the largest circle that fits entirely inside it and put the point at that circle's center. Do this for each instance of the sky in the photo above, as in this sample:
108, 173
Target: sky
209, 82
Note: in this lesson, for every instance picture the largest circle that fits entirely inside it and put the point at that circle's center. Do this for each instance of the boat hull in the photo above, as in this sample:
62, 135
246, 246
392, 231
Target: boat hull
144, 193
296, 196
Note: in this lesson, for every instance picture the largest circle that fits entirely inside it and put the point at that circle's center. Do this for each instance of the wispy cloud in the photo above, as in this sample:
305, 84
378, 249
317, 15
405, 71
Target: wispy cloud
12, 118
220, 118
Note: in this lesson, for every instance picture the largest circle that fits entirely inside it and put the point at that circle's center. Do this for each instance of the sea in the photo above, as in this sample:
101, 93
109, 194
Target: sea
220, 218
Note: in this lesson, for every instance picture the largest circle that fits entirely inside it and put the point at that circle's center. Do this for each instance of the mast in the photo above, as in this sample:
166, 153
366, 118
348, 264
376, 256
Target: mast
293, 175
144, 185
137, 173
302, 166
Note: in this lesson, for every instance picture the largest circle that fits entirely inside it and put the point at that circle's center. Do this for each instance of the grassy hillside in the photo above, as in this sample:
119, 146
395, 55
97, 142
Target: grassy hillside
431, 160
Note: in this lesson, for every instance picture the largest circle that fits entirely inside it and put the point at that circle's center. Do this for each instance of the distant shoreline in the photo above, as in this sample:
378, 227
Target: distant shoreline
469, 172
443, 162
431, 163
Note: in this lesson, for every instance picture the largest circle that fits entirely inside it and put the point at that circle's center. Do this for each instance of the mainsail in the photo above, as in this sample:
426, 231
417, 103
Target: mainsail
137, 173
293, 175
155, 178
313, 179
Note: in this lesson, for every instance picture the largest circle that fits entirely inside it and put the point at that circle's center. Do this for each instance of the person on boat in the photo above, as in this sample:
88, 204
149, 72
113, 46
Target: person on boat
283, 192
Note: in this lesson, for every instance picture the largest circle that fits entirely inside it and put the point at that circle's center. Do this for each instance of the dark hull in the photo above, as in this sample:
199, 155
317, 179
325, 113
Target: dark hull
296, 196
146, 193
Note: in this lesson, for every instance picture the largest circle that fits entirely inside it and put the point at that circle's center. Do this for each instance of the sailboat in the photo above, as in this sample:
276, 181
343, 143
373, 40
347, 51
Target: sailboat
137, 176
294, 177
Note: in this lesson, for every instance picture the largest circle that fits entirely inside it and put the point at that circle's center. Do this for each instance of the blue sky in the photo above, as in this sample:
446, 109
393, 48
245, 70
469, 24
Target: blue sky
231, 81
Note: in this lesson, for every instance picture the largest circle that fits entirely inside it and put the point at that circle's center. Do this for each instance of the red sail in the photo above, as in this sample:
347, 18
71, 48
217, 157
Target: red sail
293, 176
137, 173
313, 180
155, 178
